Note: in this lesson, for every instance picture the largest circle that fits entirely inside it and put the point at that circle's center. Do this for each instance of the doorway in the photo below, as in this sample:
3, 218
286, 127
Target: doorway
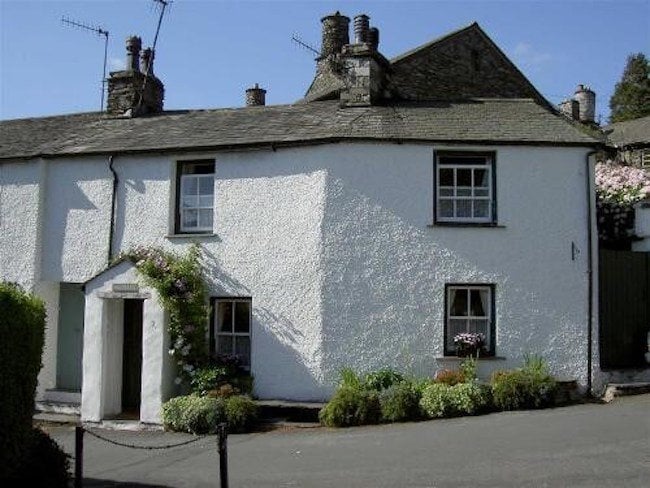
132, 358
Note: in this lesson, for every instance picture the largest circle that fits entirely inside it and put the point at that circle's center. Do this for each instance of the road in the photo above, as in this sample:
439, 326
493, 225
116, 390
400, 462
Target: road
590, 445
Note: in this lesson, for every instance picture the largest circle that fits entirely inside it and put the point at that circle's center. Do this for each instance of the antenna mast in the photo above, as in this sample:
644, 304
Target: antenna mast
100, 32
302, 43
164, 4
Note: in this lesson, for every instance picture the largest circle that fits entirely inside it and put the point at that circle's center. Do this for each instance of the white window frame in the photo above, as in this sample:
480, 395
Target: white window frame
181, 207
645, 158
452, 193
489, 315
232, 335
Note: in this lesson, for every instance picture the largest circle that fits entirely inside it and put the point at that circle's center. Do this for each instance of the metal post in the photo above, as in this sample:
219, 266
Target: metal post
78, 456
222, 432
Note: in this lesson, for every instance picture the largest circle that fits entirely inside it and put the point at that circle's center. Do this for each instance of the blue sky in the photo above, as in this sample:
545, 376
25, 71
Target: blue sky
209, 52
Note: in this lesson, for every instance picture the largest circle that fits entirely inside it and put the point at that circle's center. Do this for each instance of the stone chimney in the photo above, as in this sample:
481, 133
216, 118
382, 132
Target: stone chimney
255, 96
570, 108
336, 34
365, 68
133, 91
586, 99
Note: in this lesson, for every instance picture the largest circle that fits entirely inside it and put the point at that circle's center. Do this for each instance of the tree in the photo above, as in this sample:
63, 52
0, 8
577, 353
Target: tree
631, 98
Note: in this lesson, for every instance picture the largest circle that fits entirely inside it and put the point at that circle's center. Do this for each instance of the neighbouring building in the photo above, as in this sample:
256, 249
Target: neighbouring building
400, 202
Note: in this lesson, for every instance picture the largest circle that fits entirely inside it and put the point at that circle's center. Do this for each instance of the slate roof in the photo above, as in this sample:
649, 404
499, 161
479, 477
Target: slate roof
504, 121
630, 132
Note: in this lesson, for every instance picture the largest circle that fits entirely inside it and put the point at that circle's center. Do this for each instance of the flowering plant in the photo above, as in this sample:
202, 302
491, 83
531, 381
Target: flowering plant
469, 343
182, 291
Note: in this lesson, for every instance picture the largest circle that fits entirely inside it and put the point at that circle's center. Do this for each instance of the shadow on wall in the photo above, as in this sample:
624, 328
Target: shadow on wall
280, 370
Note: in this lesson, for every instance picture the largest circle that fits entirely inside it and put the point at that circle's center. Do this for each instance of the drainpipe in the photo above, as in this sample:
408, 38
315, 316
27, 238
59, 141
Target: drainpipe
111, 230
590, 271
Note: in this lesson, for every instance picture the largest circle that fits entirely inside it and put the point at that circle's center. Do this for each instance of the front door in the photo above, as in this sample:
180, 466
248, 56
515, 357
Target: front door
132, 356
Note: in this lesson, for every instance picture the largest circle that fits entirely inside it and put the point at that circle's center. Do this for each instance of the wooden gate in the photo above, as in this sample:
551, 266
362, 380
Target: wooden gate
624, 307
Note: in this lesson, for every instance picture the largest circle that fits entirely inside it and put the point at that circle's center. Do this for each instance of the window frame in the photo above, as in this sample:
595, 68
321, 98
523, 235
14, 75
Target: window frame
491, 335
178, 208
214, 334
645, 158
490, 164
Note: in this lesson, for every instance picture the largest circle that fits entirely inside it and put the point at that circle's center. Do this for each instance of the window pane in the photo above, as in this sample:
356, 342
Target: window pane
481, 177
463, 208
446, 192
481, 208
454, 327
242, 316
464, 192
480, 326
463, 177
188, 185
478, 303
458, 300
205, 218
206, 185
189, 201
224, 317
189, 218
446, 208
206, 201
243, 349
224, 345
481, 192
446, 177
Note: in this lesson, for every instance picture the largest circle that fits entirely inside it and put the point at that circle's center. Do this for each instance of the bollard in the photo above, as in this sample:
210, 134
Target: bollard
78, 456
222, 432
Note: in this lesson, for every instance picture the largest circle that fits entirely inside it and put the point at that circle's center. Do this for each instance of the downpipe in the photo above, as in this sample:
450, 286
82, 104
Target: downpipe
111, 230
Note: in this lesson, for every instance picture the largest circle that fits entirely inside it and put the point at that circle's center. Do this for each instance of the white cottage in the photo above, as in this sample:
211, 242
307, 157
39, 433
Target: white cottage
400, 202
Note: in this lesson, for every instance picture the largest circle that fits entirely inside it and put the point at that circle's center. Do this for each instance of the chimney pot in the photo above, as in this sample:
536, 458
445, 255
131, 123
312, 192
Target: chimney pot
255, 96
146, 61
586, 99
336, 33
373, 38
133, 46
361, 27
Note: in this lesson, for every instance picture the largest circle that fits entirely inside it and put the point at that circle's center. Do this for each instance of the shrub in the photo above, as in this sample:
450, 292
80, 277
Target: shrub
241, 413
528, 387
208, 378
193, 414
441, 400
449, 377
400, 402
350, 379
46, 464
382, 379
351, 406
22, 326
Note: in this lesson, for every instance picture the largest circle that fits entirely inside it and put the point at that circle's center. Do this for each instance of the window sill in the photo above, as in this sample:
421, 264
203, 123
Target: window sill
459, 359
202, 235
466, 224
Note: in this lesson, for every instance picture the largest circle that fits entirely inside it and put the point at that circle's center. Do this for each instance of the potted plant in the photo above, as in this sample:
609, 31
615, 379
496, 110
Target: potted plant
469, 344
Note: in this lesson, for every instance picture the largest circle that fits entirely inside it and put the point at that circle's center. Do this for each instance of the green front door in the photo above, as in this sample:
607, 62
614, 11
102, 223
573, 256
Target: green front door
70, 337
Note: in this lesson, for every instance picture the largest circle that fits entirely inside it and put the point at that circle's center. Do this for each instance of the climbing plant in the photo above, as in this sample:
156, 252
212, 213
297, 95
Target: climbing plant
179, 281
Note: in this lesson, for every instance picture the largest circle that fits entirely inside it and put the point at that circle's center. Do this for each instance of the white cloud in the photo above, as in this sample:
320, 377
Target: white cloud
116, 64
528, 55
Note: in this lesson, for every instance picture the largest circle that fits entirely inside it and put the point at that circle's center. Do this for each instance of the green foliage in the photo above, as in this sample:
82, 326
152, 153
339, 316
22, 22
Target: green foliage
468, 369
22, 326
208, 378
400, 402
183, 293
350, 379
441, 400
382, 379
241, 413
449, 377
193, 414
45, 464
631, 98
528, 387
351, 406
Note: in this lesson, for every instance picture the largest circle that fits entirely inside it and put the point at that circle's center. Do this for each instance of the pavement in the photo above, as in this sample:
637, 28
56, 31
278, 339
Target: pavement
587, 445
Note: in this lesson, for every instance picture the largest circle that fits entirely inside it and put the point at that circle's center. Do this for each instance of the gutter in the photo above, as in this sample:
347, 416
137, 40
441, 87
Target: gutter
111, 230
590, 271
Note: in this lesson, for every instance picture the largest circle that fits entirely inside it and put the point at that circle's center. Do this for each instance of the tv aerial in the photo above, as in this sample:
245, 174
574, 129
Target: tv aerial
304, 45
100, 32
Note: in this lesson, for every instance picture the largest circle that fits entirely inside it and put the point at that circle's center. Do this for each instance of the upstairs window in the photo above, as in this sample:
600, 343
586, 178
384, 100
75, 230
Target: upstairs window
195, 202
465, 189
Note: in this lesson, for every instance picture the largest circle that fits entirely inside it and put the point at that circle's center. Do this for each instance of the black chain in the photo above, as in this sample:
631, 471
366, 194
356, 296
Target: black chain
134, 446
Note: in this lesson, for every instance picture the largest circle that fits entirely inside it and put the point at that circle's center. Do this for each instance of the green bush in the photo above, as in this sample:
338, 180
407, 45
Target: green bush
241, 413
400, 402
350, 379
193, 414
45, 464
441, 400
22, 326
382, 379
351, 406
208, 378
449, 377
516, 389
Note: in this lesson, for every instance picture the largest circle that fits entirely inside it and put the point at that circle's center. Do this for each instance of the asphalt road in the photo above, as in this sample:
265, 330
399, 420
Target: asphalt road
591, 445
